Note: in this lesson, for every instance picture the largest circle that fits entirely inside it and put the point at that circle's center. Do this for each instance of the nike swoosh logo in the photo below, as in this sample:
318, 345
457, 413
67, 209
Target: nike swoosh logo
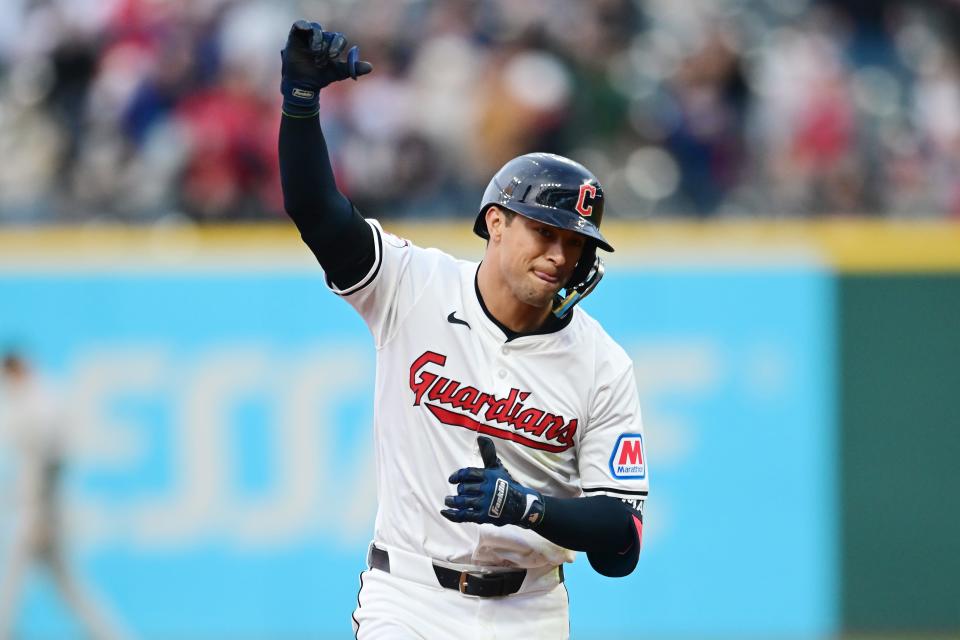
452, 319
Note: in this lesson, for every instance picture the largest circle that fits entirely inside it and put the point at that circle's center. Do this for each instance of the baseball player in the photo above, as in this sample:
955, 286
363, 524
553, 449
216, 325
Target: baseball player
31, 422
507, 425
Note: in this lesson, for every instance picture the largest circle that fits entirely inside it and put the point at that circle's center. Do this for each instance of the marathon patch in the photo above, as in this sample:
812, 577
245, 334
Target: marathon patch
627, 460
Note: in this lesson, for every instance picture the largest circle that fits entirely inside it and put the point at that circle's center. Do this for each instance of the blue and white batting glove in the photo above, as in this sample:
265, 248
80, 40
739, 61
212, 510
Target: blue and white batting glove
491, 495
311, 61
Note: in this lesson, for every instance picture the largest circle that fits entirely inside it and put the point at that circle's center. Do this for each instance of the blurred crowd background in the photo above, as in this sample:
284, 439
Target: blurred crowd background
144, 111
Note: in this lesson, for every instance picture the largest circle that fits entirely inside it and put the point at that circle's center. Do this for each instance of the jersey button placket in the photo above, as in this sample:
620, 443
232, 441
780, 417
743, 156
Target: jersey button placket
501, 370
502, 373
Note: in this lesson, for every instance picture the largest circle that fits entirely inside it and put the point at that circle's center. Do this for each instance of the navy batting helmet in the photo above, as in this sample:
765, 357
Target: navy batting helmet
550, 189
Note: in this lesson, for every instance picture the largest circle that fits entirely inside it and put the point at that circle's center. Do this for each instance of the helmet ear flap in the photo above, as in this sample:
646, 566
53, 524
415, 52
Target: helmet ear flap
480, 224
582, 270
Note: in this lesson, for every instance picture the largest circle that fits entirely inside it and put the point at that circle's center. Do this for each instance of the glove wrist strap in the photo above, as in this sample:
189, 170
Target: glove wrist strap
533, 514
299, 101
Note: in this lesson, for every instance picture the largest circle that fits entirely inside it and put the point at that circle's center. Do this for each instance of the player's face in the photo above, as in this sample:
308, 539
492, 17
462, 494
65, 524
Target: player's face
536, 259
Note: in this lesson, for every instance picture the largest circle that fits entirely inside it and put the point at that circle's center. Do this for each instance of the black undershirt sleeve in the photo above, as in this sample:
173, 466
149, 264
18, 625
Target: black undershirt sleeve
338, 236
600, 525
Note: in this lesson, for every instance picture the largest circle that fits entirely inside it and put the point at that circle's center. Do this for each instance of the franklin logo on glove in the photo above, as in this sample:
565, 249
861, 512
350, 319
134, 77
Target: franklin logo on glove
499, 496
491, 495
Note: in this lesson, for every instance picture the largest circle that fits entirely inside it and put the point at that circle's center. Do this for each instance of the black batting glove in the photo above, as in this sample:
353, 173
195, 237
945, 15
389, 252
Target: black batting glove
491, 495
311, 61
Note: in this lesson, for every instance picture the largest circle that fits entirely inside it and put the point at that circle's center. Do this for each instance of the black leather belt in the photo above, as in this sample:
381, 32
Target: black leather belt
471, 583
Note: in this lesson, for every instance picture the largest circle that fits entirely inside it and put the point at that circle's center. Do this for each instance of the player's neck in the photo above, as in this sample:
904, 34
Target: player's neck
504, 306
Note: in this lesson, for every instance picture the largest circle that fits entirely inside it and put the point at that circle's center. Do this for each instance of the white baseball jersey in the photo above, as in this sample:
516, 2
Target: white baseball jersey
562, 407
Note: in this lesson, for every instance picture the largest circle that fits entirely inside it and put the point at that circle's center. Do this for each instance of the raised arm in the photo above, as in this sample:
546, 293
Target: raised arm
329, 224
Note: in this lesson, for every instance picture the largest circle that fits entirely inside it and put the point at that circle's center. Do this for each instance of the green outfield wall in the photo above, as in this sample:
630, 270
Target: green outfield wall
899, 390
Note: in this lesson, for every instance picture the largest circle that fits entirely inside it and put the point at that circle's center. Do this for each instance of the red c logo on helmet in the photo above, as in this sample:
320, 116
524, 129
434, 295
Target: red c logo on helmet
581, 207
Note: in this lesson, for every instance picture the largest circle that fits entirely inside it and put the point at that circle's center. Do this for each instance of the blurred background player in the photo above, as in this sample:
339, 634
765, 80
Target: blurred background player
32, 428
